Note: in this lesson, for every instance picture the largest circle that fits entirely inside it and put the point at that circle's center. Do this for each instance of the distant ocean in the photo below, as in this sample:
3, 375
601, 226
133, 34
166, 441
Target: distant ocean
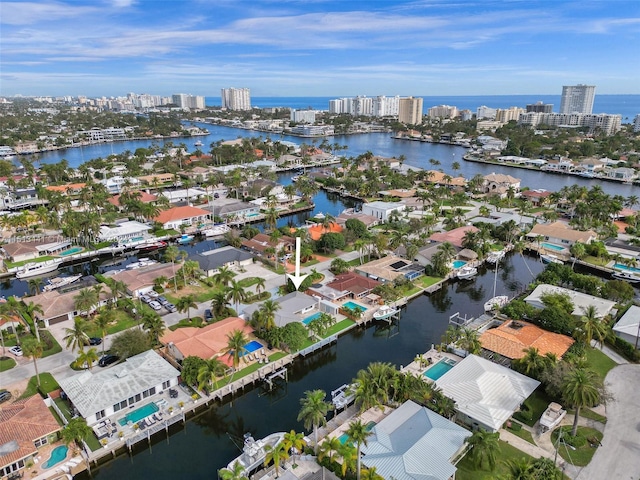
626, 105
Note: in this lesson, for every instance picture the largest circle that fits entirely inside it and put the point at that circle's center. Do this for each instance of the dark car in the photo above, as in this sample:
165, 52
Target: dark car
5, 395
208, 315
108, 360
95, 341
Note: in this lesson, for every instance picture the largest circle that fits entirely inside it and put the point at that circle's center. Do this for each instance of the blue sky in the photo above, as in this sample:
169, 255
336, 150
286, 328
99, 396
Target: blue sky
317, 47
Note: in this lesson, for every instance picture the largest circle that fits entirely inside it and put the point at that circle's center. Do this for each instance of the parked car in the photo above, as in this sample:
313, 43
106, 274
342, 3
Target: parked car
155, 305
95, 341
152, 294
208, 315
171, 307
17, 351
162, 300
145, 299
108, 360
5, 395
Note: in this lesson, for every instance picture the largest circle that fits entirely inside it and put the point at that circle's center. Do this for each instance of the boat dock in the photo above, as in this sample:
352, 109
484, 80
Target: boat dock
342, 397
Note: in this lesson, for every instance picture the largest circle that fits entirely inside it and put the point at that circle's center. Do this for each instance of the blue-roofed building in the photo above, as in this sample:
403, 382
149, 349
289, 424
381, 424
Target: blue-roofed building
413, 442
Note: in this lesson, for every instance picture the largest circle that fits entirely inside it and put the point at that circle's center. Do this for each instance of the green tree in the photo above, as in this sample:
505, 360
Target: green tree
102, 322
76, 337
592, 326
186, 303
33, 349
224, 276
582, 388
219, 304
154, 324
327, 448
313, 412
276, 455
87, 357
237, 472
76, 431
484, 448
236, 294
85, 300
130, 342
208, 372
235, 349
358, 434
172, 253
293, 442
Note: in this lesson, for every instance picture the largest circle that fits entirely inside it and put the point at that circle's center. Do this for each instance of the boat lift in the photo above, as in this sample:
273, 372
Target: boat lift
281, 373
342, 396
458, 321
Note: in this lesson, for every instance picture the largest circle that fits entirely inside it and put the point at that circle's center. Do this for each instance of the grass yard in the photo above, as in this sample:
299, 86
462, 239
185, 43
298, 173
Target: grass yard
588, 413
6, 363
583, 454
522, 433
247, 282
466, 470
537, 402
248, 370
24, 262
47, 384
338, 327
601, 262
426, 282
599, 362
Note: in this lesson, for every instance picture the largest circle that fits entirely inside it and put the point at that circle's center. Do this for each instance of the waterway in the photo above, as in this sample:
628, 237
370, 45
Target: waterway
204, 445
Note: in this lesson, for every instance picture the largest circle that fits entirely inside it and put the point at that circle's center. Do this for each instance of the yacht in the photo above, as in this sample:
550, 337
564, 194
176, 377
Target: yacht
35, 269
59, 282
215, 230
385, 312
550, 258
143, 262
198, 143
626, 276
184, 239
151, 246
254, 451
496, 302
467, 273
495, 257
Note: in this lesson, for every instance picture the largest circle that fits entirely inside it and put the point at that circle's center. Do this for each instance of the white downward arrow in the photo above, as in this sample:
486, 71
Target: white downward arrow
296, 278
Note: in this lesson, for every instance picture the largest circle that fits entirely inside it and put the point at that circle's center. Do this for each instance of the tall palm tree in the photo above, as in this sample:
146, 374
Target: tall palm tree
154, 324
293, 441
358, 434
329, 447
76, 431
581, 388
85, 300
371, 474
348, 453
519, 468
29, 310
186, 303
532, 363
236, 294
484, 448
172, 253
208, 373
224, 276
235, 349
102, 322
592, 326
276, 455
260, 285
313, 412
219, 303
76, 337
87, 357
33, 349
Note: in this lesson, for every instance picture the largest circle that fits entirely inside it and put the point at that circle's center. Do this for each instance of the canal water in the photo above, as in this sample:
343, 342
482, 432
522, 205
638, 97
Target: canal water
206, 443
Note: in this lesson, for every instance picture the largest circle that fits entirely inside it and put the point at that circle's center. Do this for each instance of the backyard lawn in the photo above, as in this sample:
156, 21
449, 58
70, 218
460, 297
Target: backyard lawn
537, 402
599, 362
466, 470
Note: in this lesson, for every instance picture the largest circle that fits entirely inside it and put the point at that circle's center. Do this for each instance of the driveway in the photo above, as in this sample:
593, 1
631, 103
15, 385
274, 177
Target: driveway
618, 456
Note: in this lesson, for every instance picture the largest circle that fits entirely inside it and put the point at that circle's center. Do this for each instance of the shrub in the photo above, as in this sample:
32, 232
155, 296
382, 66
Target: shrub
515, 426
577, 441
624, 348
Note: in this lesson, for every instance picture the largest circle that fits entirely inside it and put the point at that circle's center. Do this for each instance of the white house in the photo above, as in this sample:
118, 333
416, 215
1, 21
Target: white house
628, 327
124, 232
382, 210
581, 301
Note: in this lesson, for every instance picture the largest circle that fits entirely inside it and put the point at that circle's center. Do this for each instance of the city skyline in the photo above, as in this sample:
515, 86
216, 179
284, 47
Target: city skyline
317, 48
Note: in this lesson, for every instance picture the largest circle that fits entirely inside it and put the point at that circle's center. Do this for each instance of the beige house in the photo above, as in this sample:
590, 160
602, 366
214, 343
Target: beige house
58, 307
500, 184
561, 234
140, 281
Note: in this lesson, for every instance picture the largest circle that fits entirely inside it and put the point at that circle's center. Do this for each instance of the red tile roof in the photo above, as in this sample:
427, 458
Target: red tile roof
454, 236
511, 342
144, 198
180, 213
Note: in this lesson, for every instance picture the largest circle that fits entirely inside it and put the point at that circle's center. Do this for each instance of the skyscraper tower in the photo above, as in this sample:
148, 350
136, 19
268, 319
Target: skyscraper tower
236, 98
577, 99
410, 110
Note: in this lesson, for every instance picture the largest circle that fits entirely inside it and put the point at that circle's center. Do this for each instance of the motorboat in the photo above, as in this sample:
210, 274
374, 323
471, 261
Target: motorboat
342, 396
550, 258
495, 257
198, 143
385, 312
185, 239
215, 230
467, 273
496, 302
143, 262
255, 451
34, 269
151, 246
626, 276
60, 282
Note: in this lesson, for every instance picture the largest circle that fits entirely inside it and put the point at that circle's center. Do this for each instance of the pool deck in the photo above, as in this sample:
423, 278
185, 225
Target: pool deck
429, 359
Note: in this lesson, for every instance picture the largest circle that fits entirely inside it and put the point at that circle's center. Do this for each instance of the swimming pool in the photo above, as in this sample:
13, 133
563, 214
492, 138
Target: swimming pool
139, 413
252, 346
311, 318
622, 266
551, 246
354, 306
368, 427
439, 369
71, 251
459, 263
58, 454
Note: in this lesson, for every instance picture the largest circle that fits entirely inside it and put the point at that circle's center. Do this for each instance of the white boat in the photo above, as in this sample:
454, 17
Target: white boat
496, 302
185, 239
215, 230
495, 257
254, 451
385, 312
144, 262
626, 276
550, 258
466, 273
342, 396
35, 269
198, 143
59, 282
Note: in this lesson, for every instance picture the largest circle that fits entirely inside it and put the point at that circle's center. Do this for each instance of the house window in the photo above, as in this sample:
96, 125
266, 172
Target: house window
41, 441
166, 384
100, 415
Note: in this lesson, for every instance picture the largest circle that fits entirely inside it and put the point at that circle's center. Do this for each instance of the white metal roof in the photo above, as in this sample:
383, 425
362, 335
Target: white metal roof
628, 323
485, 391
580, 300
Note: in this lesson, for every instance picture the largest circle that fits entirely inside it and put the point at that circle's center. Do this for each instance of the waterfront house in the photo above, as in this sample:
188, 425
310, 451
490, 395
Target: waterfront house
387, 269
454, 237
58, 306
537, 197
580, 301
591, 166
97, 395
486, 394
628, 327
212, 260
513, 337
413, 442
261, 242
368, 220
294, 307
440, 178
176, 217
500, 184
499, 218
382, 210
19, 198
356, 286
140, 195
185, 195
142, 280
158, 179
26, 425
559, 233
207, 342
21, 251
232, 210
425, 253
562, 165
69, 189
124, 232
624, 174
114, 184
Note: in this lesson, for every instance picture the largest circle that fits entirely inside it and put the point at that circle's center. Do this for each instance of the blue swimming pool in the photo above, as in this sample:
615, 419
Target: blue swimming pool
626, 268
252, 346
439, 369
71, 251
368, 427
459, 263
139, 413
311, 318
58, 454
551, 246
354, 306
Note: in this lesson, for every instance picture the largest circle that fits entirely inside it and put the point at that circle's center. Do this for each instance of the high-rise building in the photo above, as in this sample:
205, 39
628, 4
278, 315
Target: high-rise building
410, 110
236, 98
577, 99
442, 111
540, 107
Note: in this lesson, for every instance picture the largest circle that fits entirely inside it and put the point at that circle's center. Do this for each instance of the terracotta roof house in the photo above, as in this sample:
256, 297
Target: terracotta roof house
356, 285
316, 231
454, 236
437, 177
261, 242
71, 188
207, 342
144, 198
536, 197
159, 178
368, 220
177, 216
513, 337
142, 280
25, 425
58, 306
560, 233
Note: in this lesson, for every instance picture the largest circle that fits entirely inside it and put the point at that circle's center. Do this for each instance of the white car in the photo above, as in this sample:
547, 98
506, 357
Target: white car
17, 351
155, 305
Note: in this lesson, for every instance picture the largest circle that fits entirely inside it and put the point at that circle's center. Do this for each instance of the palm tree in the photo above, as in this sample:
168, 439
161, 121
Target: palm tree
236, 293
371, 474
172, 253
186, 303
219, 303
358, 433
85, 300
154, 325
35, 285
88, 357
260, 285
469, 340
484, 448
237, 472
236, 340
582, 388
373, 385
269, 308
329, 447
276, 455
208, 373
30, 309
314, 411
33, 349
102, 322
224, 276
578, 250
592, 326
532, 363
519, 468
293, 441
76, 431
76, 337
348, 454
